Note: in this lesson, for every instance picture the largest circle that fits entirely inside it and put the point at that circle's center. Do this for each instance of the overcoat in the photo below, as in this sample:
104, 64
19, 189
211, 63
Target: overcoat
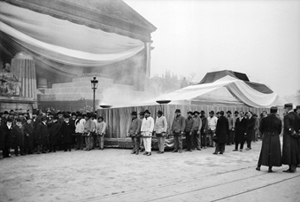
42, 134
1, 137
270, 154
135, 127
290, 149
29, 134
18, 136
250, 128
54, 129
7, 136
240, 130
222, 129
66, 131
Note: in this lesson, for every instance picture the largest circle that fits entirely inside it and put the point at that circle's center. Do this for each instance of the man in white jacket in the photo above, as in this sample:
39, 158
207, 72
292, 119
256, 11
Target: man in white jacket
147, 129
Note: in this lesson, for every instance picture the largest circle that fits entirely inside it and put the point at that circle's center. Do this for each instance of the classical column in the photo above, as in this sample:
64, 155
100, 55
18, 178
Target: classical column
23, 68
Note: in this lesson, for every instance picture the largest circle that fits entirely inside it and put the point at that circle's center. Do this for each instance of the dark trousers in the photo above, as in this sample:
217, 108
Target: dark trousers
230, 139
203, 139
67, 146
196, 140
241, 145
188, 140
177, 141
135, 144
17, 151
52, 147
220, 147
5, 152
79, 141
94, 141
249, 144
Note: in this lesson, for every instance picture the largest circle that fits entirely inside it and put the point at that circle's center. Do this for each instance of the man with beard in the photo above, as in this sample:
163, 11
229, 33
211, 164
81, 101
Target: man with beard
133, 132
53, 128
290, 149
196, 131
178, 127
249, 129
18, 137
147, 129
67, 129
188, 131
240, 131
42, 136
222, 131
160, 129
270, 154
29, 136
7, 137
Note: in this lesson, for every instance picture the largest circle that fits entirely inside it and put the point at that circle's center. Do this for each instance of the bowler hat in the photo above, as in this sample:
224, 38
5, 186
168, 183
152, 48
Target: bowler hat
298, 107
141, 113
288, 105
160, 112
66, 116
196, 112
228, 112
9, 120
202, 112
190, 112
44, 118
236, 112
55, 117
177, 111
211, 112
147, 111
134, 113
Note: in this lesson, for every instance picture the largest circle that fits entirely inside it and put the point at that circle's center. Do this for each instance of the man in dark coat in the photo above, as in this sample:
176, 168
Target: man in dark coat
66, 130
222, 132
290, 149
53, 128
298, 113
28, 136
270, 154
204, 129
250, 129
133, 132
240, 131
42, 136
18, 137
7, 137
1, 136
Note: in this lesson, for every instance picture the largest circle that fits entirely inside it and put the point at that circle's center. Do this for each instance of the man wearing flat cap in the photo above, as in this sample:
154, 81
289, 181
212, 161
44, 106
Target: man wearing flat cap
178, 127
147, 129
290, 149
134, 131
196, 129
270, 154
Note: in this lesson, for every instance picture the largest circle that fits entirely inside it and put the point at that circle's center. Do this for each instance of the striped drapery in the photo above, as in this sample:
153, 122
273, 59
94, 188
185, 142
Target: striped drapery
24, 70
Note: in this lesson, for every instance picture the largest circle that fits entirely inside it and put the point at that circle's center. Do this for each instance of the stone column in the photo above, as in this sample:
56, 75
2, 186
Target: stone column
23, 68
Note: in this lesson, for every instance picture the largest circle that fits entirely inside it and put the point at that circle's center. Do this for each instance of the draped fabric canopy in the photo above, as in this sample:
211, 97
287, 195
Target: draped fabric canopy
60, 44
238, 89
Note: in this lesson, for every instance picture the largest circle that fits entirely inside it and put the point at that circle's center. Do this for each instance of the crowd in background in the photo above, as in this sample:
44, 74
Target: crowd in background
44, 132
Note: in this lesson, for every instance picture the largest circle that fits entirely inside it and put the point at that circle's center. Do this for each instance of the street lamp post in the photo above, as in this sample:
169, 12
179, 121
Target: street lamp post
94, 84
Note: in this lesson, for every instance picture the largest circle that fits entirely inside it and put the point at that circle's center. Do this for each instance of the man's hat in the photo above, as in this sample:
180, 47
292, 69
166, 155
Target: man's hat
66, 116
190, 112
44, 118
196, 112
202, 112
236, 112
160, 112
5, 112
141, 113
134, 113
147, 111
9, 120
211, 112
228, 112
177, 111
298, 107
274, 108
288, 105
55, 117
18, 120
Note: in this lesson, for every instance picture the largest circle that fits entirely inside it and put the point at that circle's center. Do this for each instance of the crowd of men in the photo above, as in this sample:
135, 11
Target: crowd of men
48, 132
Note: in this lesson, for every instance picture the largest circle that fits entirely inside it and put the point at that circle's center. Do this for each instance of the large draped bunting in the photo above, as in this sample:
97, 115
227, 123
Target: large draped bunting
238, 88
59, 44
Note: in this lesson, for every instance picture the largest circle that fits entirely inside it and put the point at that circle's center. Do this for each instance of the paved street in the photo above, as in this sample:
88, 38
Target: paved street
116, 175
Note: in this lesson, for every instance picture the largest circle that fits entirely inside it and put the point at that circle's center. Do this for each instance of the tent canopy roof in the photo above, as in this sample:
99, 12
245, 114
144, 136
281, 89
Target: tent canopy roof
219, 86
